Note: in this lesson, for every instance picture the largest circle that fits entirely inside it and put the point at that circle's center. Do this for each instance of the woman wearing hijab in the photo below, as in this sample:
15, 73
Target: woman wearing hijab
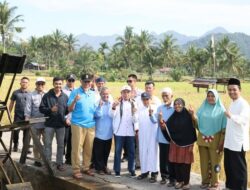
211, 126
179, 130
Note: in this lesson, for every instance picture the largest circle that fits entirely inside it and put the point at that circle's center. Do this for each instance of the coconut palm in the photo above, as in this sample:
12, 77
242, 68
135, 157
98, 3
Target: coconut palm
168, 50
126, 44
8, 21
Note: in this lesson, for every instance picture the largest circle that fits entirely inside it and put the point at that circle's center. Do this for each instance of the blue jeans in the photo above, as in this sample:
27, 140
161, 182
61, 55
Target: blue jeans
49, 135
130, 146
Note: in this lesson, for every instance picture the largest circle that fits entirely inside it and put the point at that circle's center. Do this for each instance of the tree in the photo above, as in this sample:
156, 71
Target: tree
103, 47
8, 21
168, 50
229, 55
126, 44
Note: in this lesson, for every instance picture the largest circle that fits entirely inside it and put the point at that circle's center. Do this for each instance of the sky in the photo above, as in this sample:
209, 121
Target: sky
107, 17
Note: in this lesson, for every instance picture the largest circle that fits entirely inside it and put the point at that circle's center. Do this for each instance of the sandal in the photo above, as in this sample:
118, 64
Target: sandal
178, 185
214, 187
88, 172
77, 175
204, 186
186, 187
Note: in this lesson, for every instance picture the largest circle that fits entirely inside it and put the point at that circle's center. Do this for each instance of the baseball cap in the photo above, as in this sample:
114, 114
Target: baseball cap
100, 79
87, 77
70, 76
167, 90
40, 79
126, 87
145, 95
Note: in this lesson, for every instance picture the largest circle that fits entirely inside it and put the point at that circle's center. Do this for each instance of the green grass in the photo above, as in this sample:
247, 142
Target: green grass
180, 89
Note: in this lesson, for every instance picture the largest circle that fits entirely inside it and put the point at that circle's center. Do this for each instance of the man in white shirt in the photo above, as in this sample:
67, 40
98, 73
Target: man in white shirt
124, 113
237, 138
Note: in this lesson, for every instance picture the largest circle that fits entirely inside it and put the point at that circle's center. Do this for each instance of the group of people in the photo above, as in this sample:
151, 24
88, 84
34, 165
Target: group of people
157, 135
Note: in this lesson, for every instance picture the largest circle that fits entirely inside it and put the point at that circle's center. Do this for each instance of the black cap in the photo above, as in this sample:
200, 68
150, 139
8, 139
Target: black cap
234, 81
100, 79
145, 95
71, 76
87, 77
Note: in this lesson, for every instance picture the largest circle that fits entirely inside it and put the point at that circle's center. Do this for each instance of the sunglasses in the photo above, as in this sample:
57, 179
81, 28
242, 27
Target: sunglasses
129, 81
71, 80
88, 81
40, 83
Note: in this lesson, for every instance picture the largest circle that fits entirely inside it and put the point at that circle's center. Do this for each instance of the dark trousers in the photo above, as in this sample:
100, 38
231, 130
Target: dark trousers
235, 169
101, 150
16, 136
166, 167
67, 143
129, 141
182, 172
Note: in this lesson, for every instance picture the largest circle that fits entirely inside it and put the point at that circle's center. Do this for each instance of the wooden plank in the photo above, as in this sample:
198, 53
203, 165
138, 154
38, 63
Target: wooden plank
20, 186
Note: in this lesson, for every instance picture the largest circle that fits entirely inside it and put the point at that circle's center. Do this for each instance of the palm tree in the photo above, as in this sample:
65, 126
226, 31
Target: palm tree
229, 55
126, 43
70, 42
58, 44
103, 46
8, 21
168, 50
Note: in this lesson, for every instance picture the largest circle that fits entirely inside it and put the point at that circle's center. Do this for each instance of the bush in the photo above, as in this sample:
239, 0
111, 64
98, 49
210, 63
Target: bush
176, 74
38, 73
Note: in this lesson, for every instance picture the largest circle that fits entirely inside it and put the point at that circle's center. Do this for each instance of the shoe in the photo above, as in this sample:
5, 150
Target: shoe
132, 175
61, 167
37, 164
88, 172
152, 179
142, 176
163, 181
171, 184
124, 159
178, 185
204, 186
77, 175
100, 172
186, 187
107, 171
15, 148
137, 167
68, 162
117, 174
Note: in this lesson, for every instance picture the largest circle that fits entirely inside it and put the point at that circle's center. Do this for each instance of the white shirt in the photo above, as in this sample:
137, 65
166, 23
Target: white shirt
126, 125
237, 129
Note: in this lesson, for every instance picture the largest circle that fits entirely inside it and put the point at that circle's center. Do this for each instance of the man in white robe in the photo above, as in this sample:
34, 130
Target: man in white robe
148, 145
236, 139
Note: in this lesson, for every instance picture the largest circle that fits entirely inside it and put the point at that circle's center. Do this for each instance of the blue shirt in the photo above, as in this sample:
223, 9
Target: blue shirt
104, 127
83, 114
166, 113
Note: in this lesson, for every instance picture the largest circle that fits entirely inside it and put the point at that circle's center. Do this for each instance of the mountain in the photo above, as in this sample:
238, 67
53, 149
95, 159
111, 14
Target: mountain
94, 41
181, 38
217, 30
241, 39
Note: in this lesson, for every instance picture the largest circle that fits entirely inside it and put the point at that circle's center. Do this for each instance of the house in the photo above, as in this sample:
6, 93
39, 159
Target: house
34, 66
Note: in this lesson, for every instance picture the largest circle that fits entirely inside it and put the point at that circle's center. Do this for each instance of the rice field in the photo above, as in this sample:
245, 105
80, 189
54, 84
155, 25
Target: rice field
180, 89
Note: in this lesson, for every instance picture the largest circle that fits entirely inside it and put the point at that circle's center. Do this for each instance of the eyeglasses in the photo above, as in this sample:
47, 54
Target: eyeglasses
129, 81
40, 83
71, 80
87, 81
165, 96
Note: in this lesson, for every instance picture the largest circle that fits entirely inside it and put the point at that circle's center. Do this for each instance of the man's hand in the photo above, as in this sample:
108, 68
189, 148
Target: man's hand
115, 104
220, 148
101, 103
227, 114
54, 108
150, 111
78, 97
68, 123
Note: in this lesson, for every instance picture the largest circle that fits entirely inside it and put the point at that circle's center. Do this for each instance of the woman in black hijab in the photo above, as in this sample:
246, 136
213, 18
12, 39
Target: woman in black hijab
180, 131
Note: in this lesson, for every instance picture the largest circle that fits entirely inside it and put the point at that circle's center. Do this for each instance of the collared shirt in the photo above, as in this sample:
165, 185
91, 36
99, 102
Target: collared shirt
237, 129
125, 124
83, 113
32, 107
166, 113
67, 91
19, 97
104, 126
